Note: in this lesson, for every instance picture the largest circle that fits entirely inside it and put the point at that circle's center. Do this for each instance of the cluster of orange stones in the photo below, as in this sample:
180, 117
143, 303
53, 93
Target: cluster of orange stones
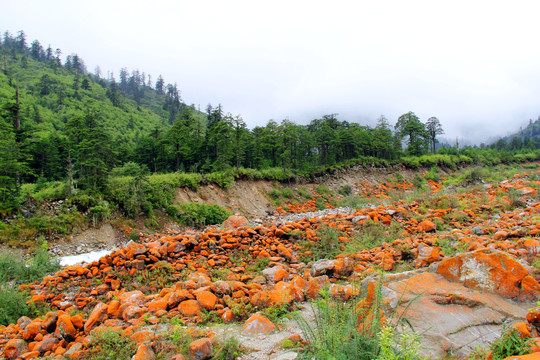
191, 274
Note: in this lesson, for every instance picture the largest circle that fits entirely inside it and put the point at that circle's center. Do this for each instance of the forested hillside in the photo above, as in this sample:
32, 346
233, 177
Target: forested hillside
59, 122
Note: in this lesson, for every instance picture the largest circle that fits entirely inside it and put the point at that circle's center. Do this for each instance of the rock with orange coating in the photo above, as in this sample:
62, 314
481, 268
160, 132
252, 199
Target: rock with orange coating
144, 352
31, 330
15, 348
234, 222
135, 297
268, 298
533, 317
283, 251
427, 226
206, 299
488, 270
157, 305
275, 273
189, 307
530, 289
427, 254
65, 328
258, 324
200, 349
97, 316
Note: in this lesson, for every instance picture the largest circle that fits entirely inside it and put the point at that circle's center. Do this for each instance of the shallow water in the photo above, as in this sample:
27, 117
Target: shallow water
83, 258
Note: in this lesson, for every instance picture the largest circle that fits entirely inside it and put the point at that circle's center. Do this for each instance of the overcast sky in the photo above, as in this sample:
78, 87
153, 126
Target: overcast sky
473, 64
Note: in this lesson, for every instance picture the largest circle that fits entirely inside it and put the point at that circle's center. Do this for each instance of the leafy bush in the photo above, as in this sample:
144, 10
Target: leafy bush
433, 174
345, 190
200, 215
223, 179
12, 305
15, 271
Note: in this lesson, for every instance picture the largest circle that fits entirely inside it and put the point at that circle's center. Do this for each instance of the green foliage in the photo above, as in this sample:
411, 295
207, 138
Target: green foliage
373, 234
345, 190
111, 343
335, 334
325, 246
12, 304
223, 179
228, 349
200, 215
433, 174
510, 344
15, 271
406, 346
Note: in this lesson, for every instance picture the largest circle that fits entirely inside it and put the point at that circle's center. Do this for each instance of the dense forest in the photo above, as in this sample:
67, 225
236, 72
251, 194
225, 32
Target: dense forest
60, 122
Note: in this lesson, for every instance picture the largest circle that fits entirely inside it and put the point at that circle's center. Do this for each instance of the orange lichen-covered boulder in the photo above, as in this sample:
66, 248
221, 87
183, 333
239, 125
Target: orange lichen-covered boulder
427, 226
200, 349
65, 328
427, 254
97, 316
258, 324
189, 308
144, 352
488, 270
234, 222
530, 289
206, 299
15, 348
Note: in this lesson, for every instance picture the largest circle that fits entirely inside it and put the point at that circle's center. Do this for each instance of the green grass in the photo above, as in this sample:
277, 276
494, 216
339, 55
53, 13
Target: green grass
15, 271
334, 334
110, 343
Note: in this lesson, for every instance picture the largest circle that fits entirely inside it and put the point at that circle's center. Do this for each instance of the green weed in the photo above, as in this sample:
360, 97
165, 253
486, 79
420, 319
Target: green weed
110, 343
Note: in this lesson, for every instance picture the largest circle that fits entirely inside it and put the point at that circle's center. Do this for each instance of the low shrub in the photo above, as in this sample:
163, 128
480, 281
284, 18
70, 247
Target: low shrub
111, 343
200, 215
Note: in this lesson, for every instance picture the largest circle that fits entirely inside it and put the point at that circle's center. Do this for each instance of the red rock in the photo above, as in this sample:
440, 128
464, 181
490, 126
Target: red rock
156, 305
189, 308
65, 328
427, 226
30, 355
135, 297
267, 298
258, 324
283, 251
31, 330
427, 254
530, 289
206, 299
485, 270
227, 316
176, 297
234, 222
500, 235
15, 348
144, 352
200, 349
97, 316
